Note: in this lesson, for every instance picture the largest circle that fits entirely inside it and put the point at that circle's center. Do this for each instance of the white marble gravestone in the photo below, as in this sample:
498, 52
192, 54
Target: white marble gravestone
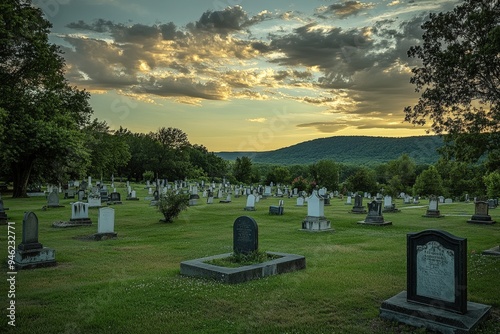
250, 206
387, 201
349, 200
315, 220
300, 201
106, 220
80, 210
315, 206
94, 201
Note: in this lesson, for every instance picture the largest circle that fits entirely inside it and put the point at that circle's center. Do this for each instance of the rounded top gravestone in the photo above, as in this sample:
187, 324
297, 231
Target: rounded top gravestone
245, 235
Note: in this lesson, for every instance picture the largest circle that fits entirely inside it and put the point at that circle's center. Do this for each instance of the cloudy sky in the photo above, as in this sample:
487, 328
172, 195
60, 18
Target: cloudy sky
245, 75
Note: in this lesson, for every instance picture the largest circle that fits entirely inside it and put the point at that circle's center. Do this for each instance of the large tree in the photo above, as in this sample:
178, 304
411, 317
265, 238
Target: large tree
459, 79
326, 174
43, 114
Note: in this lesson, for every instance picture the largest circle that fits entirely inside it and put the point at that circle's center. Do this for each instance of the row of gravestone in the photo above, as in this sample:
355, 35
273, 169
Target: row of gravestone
32, 254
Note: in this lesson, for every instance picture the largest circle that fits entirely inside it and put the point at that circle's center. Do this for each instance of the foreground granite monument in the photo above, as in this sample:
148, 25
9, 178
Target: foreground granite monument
436, 295
30, 253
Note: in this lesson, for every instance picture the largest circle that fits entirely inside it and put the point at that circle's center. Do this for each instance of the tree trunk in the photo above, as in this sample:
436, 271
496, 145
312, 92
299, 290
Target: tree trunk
22, 173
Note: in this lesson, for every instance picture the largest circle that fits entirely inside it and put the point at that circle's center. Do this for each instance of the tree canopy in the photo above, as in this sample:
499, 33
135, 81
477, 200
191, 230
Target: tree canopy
42, 112
459, 79
460, 73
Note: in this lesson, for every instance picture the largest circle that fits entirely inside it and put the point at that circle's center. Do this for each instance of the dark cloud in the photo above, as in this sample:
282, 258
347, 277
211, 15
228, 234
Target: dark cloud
338, 53
99, 25
182, 87
346, 9
137, 33
224, 21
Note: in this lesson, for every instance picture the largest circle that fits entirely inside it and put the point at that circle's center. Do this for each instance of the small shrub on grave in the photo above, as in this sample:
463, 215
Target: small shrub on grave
172, 204
241, 259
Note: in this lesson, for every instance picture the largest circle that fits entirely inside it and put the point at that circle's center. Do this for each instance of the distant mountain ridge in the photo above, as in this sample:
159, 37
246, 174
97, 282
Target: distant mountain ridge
364, 150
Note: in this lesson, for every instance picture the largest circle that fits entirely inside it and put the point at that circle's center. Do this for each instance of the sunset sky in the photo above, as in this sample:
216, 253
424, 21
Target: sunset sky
245, 75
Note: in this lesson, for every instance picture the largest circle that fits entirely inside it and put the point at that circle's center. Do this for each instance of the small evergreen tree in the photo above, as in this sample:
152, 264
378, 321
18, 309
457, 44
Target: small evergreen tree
172, 204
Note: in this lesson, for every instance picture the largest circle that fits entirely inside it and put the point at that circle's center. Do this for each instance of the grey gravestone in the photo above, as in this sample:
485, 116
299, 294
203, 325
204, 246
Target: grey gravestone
31, 253
375, 216
250, 206
105, 224
277, 210
481, 215
437, 270
53, 200
436, 296
245, 235
30, 232
81, 195
114, 198
432, 210
358, 205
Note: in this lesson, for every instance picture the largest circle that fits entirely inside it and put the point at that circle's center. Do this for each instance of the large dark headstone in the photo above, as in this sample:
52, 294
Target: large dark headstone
30, 232
358, 205
436, 296
245, 235
437, 270
374, 216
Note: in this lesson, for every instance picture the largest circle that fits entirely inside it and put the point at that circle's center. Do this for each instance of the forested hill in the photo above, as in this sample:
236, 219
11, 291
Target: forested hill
363, 150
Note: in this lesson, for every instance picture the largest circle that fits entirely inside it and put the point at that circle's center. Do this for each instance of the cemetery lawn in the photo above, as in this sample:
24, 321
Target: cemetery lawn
132, 284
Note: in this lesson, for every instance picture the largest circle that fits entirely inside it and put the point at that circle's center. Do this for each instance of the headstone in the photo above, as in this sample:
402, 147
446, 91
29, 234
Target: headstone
69, 193
389, 207
194, 193
277, 209
30, 253
81, 195
114, 198
210, 198
375, 216
245, 235
267, 191
94, 200
105, 224
250, 206
481, 215
132, 196
30, 232
491, 203
227, 200
315, 220
407, 199
348, 200
300, 201
53, 200
436, 295
432, 210
448, 201
79, 216
358, 205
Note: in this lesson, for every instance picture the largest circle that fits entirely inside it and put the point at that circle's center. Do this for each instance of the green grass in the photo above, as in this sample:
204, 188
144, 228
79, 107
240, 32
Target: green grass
132, 284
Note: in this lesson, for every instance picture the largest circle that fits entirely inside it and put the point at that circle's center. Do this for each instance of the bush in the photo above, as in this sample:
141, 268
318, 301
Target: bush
148, 176
172, 204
